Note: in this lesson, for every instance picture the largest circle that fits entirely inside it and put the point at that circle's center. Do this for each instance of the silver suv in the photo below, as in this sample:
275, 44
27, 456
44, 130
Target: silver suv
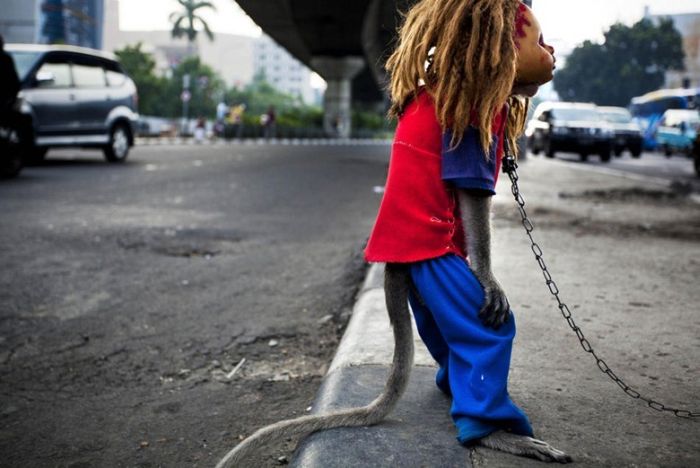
75, 97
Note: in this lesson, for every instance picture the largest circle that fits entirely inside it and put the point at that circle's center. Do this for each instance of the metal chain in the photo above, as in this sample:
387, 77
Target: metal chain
509, 167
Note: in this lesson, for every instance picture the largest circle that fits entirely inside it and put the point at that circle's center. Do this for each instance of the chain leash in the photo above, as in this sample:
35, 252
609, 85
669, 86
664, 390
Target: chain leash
509, 167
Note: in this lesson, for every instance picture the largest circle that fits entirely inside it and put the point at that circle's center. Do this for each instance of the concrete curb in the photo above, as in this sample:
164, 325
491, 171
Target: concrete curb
368, 338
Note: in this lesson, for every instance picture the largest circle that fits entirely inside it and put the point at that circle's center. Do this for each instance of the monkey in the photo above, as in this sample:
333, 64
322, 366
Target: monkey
474, 61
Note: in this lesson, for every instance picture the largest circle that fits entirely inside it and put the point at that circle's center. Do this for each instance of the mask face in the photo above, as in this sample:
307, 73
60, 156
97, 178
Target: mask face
535, 57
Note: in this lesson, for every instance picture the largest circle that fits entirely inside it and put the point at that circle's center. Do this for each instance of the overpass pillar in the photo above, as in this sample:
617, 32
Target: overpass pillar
338, 73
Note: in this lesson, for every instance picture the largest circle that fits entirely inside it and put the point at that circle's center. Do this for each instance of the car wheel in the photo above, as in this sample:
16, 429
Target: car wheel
118, 148
11, 166
548, 148
36, 154
583, 156
605, 155
668, 152
533, 148
11, 161
636, 151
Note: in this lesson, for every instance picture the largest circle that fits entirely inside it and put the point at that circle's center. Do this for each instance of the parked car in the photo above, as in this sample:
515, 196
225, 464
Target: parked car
75, 97
677, 130
628, 134
569, 126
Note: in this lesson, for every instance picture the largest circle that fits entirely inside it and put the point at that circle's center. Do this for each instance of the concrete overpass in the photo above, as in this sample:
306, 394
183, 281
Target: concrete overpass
344, 42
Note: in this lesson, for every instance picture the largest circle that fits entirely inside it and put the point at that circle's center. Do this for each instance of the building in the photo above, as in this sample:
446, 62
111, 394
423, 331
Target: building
689, 26
235, 58
19, 20
282, 70
231, 56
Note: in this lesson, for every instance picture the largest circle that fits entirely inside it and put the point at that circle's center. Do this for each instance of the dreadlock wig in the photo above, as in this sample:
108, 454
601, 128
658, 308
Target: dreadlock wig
465, 52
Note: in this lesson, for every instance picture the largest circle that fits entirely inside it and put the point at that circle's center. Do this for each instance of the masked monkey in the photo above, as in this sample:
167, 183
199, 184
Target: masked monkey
485, 58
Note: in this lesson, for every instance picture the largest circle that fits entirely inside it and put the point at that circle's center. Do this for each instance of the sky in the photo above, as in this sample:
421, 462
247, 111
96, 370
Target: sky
153, 15
565, 23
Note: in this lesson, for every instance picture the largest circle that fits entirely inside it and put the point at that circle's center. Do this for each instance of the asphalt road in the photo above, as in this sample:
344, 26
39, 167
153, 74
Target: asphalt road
677, 169
131, 292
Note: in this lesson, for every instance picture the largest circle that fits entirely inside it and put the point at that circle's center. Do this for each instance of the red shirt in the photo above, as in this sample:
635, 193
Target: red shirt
419, 215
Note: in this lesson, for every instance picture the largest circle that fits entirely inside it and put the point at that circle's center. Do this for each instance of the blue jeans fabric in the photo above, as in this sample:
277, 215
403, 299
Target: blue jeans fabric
474, 359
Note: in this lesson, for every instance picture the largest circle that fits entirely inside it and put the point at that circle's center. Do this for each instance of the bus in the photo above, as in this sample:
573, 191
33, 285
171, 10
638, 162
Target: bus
648, 109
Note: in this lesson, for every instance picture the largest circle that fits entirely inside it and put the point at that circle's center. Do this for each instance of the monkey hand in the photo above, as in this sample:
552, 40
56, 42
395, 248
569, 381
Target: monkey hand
496, 309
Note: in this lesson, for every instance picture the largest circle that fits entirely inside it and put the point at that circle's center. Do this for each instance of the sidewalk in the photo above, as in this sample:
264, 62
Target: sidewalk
626, 257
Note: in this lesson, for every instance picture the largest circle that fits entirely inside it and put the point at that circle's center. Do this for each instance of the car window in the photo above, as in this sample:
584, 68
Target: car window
54, 75
115, 78
88, 77
24, 61
576, 114
617, 117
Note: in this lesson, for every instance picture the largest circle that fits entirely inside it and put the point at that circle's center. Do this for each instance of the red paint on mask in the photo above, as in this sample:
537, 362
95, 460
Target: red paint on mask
521, 22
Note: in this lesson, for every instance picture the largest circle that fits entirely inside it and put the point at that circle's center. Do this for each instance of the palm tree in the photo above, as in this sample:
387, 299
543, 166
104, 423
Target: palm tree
190, 18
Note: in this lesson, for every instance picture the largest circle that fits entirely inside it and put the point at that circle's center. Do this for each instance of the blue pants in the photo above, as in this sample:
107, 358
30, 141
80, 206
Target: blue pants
474, 359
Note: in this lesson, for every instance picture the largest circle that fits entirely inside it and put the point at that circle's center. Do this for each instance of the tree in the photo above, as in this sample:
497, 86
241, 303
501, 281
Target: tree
191, 18
259, 95
630, 62
206, 88
142, 69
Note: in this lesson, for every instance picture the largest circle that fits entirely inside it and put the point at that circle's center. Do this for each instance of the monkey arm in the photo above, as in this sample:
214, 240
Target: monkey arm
475, 207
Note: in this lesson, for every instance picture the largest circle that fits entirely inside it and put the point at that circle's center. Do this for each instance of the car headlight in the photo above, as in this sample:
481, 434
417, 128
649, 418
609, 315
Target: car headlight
560, 130
606, 132
21, 104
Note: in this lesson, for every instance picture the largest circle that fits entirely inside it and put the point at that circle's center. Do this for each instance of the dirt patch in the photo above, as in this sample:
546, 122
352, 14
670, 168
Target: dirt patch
687, 228
184, 243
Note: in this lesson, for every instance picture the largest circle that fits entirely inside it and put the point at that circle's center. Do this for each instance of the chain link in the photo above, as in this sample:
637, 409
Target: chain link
509, 167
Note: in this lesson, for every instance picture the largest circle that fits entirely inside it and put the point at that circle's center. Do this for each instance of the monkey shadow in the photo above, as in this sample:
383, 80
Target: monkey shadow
419, 432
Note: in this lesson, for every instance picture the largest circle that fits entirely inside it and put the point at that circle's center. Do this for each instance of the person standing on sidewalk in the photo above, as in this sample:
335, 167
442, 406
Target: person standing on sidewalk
270, 123
455, 114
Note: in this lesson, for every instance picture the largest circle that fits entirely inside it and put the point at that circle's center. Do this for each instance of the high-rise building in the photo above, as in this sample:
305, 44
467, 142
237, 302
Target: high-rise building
74, 22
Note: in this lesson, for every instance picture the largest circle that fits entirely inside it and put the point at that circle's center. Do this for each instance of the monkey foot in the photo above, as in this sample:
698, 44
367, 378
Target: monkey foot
524, 446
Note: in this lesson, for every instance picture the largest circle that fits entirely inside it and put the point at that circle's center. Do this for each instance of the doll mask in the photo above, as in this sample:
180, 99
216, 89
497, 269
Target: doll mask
535, 57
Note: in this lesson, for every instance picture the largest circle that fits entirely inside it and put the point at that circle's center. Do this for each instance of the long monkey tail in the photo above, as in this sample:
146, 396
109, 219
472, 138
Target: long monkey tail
396, 284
